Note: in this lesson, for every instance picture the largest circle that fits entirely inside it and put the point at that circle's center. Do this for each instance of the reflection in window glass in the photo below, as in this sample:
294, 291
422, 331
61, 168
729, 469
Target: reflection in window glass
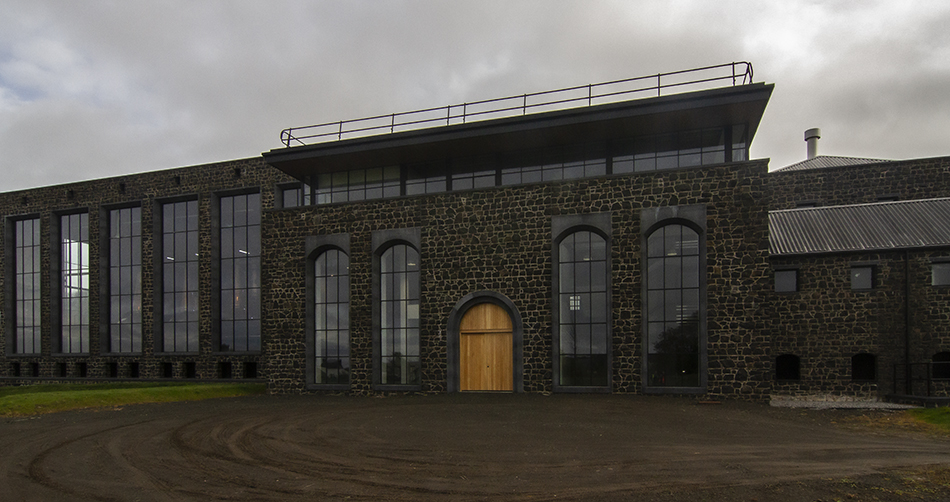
940, 274
27, 288
332, 318
125, 280
74, 239
786, 281
673, 278
862, 277
582, 293
241, 273
358, 184
399, 316
180, 276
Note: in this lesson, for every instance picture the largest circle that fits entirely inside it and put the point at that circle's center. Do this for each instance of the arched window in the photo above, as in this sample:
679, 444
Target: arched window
863, 367
400, 362
941, 365
673, 307
582, 299
331, 330
787, 367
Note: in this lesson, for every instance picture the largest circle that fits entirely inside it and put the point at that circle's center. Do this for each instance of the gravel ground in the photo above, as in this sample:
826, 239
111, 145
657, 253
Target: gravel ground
470, 447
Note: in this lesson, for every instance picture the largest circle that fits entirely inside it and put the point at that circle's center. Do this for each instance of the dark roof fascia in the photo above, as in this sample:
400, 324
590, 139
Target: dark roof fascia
899, 249
686, 111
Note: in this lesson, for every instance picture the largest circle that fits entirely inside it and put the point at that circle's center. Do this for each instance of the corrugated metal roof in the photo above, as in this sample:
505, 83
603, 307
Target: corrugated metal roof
860, 227
825, 161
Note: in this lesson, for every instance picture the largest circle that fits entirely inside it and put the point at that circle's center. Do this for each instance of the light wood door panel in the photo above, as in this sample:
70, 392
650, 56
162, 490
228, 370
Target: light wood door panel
485, 351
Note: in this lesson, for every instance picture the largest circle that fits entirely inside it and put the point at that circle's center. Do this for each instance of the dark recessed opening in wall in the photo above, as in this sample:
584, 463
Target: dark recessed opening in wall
237, 172
15, 369
177, 181
113, 370
35, 369
70, 194
133, 370
188, 368
787, 367
168, 370
941, 365
61, 370
250, 369
121, 187
82, 370
863, 367
224, 369
25, 200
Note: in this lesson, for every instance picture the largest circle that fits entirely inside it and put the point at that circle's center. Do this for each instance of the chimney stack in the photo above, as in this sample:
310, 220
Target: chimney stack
811, 142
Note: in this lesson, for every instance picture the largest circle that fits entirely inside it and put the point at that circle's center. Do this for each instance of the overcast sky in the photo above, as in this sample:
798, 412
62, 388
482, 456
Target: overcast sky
91, 89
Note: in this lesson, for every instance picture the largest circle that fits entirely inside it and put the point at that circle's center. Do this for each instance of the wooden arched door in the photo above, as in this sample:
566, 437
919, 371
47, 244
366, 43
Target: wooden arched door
485, 355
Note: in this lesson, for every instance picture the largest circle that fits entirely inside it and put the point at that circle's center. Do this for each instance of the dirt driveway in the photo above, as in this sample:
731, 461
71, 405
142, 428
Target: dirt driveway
462, 447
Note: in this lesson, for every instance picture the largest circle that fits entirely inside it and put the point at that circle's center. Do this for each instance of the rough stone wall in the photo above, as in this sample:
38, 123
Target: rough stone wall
47, 203
825, 323
909, 179
499, 239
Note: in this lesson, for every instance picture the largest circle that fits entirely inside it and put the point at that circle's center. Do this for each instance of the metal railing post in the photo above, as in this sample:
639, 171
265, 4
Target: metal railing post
658, 84
339, 135
524, 104
589, 91
392, 125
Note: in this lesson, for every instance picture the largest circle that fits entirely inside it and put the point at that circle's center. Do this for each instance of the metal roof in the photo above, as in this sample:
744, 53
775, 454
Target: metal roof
861, 227
825, 161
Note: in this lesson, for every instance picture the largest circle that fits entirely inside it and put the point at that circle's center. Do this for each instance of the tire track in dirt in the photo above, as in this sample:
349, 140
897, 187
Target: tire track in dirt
38, 472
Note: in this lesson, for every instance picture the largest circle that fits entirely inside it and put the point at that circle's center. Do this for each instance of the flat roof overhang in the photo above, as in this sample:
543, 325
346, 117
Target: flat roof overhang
743, 104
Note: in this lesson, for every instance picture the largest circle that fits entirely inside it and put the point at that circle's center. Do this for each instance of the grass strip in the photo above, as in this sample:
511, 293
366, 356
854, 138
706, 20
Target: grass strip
38, 399
938, 417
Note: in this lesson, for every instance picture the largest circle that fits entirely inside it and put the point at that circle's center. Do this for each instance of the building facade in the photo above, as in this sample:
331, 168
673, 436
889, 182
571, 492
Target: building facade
620, 247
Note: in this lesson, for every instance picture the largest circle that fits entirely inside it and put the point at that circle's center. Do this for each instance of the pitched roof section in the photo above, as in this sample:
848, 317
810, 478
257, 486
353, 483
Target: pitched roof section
862, 227
825, 161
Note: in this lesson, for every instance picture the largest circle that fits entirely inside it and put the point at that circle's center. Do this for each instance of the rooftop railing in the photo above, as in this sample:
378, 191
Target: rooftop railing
707, 77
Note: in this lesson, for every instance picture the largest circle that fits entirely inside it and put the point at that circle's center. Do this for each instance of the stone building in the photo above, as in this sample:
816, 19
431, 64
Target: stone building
860, 250
525, 244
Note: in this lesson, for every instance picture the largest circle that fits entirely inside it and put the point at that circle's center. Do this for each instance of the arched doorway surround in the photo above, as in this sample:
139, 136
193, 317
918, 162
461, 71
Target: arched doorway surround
455, 333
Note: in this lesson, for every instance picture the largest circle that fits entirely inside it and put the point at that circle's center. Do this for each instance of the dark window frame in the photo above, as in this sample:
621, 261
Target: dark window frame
940, 366
12, 303
562, 227
57, 279
219, 277
382, 241
941, 279
867, 278
314, 247
692, 217
107, 267
783, 271
158, 282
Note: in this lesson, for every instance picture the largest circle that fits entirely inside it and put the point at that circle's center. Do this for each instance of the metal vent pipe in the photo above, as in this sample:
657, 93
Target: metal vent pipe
811, 141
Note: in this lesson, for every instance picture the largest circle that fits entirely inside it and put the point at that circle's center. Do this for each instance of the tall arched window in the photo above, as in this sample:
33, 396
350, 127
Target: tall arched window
583, 310
400, 361
673, 307
332, 318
